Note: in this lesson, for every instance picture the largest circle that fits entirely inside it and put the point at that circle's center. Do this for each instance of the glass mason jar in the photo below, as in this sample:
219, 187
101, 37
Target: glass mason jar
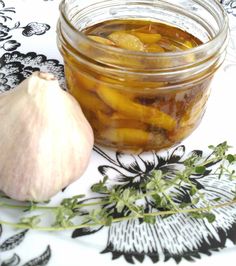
138, 101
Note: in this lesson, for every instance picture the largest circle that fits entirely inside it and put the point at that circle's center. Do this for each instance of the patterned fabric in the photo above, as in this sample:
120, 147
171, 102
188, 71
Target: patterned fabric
27, 44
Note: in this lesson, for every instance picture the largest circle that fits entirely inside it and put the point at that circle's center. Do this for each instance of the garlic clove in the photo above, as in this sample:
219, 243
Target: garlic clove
45, 139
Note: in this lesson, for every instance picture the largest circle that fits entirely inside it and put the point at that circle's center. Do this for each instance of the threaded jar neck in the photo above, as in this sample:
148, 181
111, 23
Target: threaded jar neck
204, 19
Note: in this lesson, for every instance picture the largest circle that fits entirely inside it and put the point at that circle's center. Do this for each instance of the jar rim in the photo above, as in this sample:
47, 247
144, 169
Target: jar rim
129, 53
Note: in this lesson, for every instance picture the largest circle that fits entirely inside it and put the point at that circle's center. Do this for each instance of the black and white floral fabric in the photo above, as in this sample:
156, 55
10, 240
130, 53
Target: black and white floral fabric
28, 45
230, 6
6, 32
16, 66
15, 240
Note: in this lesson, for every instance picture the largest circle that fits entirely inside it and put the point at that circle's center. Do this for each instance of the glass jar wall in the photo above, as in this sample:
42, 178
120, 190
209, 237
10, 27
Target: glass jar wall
137, 100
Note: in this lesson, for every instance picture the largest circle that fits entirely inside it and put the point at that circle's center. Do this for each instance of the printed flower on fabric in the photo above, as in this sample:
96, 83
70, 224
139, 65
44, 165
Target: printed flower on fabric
7, 32
170, 237
11, 243
230, 6
5, 11
134, 169
10, 45
35, 28
3, 31
15, 67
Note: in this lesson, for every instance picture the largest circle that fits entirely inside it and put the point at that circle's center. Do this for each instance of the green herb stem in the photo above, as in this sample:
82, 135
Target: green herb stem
49, 208
158, 185
82, 205
45, 228
178, 211
11, 206
121, 219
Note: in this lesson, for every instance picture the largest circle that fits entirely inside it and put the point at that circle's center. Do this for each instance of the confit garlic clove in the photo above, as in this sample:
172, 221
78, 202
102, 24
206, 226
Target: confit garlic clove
45, 139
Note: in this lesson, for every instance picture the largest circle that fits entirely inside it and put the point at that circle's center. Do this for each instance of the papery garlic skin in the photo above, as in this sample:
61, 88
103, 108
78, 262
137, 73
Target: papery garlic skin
45, 139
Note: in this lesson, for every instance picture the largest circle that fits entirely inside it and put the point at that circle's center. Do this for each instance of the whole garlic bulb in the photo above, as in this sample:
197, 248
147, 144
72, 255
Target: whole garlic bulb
45, 140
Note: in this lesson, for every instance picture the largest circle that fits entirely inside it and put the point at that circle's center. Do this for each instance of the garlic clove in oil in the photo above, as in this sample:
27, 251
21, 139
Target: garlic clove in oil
45, 139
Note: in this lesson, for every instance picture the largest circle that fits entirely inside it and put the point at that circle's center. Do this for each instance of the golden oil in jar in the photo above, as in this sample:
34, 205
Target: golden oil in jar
130, 113
142, 36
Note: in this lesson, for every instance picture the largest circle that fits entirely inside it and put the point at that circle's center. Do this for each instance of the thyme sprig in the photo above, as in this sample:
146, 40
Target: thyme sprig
158, 195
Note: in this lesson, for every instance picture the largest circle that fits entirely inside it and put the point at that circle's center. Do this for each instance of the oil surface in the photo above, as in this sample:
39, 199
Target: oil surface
141, 35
